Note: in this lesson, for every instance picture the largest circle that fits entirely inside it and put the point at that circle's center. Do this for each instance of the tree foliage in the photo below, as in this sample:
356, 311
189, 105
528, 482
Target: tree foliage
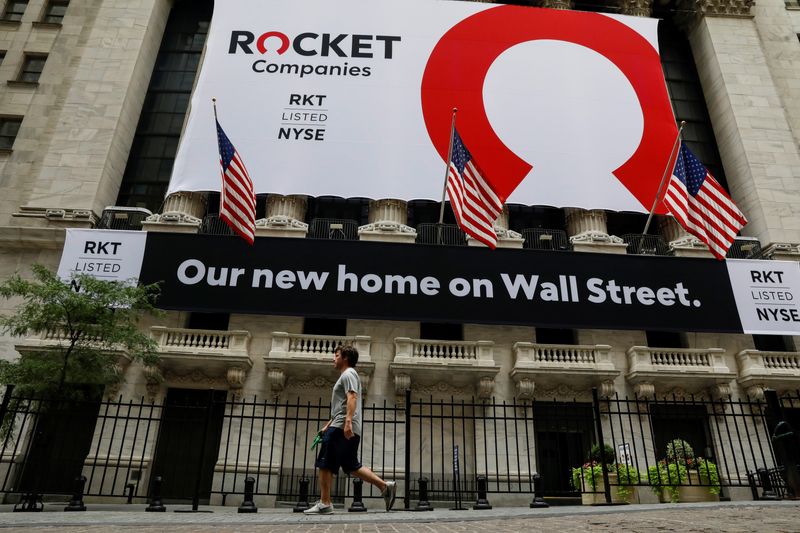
87, 331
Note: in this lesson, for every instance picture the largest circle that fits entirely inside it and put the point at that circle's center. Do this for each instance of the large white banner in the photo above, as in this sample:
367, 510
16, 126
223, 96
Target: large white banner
354, 98
110, 255
767, 295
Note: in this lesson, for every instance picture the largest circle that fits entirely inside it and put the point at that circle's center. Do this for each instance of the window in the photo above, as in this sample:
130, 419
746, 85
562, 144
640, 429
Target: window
773, 343
213, 321
325, 326
14, 10
555, 336
9, 126
54, 11
32, 67
440, 331
666, 339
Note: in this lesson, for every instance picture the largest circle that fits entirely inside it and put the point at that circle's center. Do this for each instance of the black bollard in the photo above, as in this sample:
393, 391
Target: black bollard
156, 506
538, 497
766, 485
302, 502
76, 503
482, 502
130, 488
358, 504
248, 505
423, 504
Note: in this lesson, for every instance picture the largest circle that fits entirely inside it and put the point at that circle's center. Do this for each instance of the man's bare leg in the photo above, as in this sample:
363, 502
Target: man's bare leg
325, 484
365, 474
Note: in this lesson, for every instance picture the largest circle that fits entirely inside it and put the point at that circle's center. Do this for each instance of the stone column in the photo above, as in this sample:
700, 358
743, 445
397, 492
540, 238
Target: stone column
750, 118
284, 217
387, 222
588, 232
182, 213
680, 242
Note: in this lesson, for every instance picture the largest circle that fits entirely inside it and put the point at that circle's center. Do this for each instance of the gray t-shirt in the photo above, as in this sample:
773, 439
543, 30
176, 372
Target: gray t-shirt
348, 381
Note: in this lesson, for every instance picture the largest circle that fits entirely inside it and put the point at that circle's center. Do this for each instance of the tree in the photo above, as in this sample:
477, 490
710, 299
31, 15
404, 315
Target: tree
88, 330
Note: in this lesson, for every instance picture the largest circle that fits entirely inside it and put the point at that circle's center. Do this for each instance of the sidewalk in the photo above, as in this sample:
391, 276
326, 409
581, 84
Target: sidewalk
728, 516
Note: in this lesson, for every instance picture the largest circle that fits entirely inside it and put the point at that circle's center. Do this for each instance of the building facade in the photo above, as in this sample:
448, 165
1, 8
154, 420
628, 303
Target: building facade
94, 100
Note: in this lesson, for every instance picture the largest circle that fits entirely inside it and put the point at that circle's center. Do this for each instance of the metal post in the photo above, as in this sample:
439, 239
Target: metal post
407, 474
156, 506
302, 501
423, 504
6, 401
483, 502
358, 503
76, 503
538, 493
766, 485
600, 442
209, 408
785, 443
248, 505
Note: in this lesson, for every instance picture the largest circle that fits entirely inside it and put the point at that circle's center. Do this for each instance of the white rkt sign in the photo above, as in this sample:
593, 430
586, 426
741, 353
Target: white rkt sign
354, 98
107, 255
767, 295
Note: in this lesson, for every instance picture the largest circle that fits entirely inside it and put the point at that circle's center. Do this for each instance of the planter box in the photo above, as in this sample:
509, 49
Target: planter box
599, 497
690, 493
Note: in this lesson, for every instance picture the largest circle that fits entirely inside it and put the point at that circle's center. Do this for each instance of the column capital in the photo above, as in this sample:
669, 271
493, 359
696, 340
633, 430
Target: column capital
690, 11
636, 8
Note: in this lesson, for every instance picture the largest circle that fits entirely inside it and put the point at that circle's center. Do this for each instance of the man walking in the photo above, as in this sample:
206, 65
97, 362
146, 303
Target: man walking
342, 435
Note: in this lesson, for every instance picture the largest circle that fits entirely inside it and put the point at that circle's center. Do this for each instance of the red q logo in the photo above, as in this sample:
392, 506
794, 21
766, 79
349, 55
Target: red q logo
458, 66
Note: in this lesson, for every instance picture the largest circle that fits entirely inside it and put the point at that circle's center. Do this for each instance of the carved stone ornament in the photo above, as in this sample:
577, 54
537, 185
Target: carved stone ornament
236, 377
485, 387
689, 241
557, 4
644, 390
173, 217
636, 8
562, 392
525, 388
689, 12
315, 383
402, 383
503, 233
387, 227
153, 380
276, 379
364, 383
281, 222
441, 388
721, 391
595, 236
194, 377
607, 389
756, 392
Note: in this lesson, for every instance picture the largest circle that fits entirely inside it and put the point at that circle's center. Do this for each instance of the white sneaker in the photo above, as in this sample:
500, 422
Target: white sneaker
389, 494
319, 508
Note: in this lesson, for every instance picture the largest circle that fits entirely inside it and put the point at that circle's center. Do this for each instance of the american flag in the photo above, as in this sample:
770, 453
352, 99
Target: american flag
701, 205
475, 204
237, 205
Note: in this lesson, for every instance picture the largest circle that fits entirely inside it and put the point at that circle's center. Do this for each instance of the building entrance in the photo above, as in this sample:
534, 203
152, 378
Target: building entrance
564, 435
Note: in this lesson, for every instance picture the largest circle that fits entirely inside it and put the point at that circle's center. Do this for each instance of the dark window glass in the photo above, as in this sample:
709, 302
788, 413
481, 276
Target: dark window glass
441, 331
773, 343
325, 326
215, 321
32, 67
666, 339
356, 209
54, 11
522, 217
2, 56
15, 9
427, 212
9, 126
555, 336
158, 132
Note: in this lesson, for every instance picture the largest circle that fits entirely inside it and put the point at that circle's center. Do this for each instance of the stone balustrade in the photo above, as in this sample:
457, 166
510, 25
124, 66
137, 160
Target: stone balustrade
678, 367
760, 369
557, 364
180, 341
455, 363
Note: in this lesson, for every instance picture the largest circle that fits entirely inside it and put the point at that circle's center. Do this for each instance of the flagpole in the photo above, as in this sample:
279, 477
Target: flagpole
447, 168
661, 185
214, 103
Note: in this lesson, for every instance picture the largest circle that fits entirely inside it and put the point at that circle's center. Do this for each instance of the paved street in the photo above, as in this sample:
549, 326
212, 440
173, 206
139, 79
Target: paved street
724, 517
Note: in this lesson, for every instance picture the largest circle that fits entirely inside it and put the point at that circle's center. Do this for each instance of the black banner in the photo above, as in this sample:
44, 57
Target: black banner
372, 280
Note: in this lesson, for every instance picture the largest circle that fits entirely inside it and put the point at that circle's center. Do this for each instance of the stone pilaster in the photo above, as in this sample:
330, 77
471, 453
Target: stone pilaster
387, 222
588, 232
284, 217
756, 143
680, 242
183, 212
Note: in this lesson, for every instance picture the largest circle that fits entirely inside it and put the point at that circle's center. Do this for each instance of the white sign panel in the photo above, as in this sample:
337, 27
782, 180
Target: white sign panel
354, 98
110, 255
767, 295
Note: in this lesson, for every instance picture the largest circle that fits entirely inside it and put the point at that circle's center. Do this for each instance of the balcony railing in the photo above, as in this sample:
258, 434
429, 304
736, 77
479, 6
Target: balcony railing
573, 364
744, 248
545, 239
640, 244
444, 352
123, 218
201, 342
337, 229
677, 366
298, 346
447, 234
213, 225
771, 369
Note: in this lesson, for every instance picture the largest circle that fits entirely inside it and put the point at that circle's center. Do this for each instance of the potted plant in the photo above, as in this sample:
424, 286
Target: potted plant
683, 477
588, 478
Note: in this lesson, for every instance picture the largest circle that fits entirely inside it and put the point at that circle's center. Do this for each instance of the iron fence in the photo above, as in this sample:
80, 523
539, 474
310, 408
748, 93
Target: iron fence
121, 446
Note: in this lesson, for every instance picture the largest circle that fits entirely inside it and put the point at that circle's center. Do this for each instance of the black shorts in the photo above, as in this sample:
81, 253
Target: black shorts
336, 452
